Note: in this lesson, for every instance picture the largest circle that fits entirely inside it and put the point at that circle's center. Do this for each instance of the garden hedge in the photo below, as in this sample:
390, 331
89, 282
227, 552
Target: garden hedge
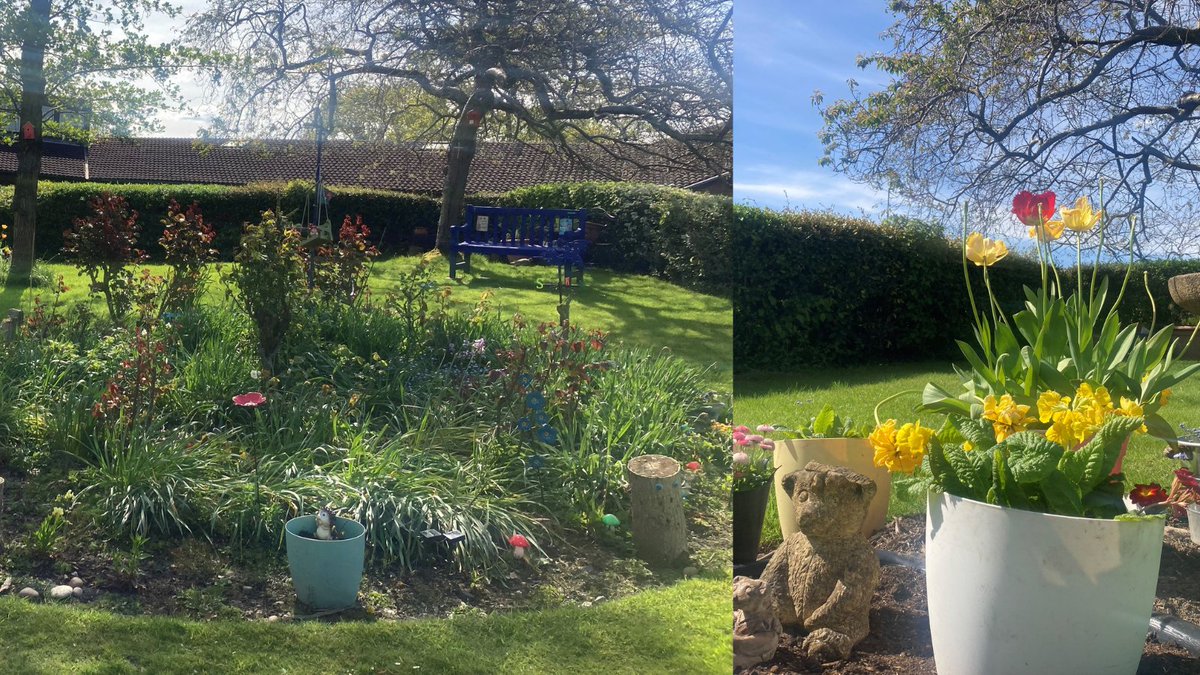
675, 234
823, 289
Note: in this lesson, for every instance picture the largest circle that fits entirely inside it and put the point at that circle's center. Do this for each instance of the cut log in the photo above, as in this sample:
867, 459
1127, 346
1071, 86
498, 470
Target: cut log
656, 510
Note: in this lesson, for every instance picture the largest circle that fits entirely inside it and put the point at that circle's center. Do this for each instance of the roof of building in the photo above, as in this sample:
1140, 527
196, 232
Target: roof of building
408, 167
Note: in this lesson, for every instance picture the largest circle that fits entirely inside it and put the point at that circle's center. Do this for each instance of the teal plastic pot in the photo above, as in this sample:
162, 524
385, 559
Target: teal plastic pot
326, 574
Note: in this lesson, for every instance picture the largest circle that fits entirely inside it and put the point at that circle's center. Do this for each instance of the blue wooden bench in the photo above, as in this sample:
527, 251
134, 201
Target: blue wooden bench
553, 235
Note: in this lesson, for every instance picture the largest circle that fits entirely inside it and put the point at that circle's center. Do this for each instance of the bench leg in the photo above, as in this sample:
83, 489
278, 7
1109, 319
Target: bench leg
467, 262
453, 264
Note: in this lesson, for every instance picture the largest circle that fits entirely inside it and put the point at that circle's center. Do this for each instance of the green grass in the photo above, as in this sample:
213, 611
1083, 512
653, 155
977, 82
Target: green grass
791, 399
681, 629
638, 310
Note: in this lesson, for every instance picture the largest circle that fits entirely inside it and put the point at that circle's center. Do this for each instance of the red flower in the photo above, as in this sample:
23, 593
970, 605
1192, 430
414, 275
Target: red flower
249, 400
1145, 495
1187, 479
693, 466
1033, 210
518, 541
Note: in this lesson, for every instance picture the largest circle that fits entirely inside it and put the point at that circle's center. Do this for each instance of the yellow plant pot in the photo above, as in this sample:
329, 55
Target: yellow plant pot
853, 453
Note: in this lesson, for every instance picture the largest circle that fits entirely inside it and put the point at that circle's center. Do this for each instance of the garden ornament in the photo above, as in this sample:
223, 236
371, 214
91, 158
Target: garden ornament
756, 627
519, 544
823, 576
326, 530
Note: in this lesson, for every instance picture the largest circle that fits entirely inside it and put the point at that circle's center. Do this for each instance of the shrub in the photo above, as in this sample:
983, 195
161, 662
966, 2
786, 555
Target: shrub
341, 269
103, 245
187, 243
268, 279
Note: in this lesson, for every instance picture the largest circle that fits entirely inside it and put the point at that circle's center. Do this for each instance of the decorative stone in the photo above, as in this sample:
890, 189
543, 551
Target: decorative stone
77, 592
1185, 291
823, 576
75, 582
756, 628
690, 571
61, 592
29, 593
273, 618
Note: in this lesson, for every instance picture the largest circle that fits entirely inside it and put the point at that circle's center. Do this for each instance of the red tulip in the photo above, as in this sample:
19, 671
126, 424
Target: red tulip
1145, 495
1033, 210
249, 400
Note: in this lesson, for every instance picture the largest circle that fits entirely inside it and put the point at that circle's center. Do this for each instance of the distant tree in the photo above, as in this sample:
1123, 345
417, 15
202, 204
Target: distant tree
989, 98
73, 68
645, 68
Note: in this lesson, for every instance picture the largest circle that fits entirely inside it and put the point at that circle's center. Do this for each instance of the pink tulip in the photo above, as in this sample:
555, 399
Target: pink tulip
768, 444
741, 442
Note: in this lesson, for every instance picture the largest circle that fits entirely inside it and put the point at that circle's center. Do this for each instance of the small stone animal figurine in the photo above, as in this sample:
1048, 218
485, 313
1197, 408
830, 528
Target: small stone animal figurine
823, 577
756, 628
326, 530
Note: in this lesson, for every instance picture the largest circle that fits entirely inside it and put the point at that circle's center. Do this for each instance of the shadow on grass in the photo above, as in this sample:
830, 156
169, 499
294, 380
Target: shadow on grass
758, 383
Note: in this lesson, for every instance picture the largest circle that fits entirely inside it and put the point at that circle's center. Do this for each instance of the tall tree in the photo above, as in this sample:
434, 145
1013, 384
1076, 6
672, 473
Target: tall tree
988, 98
645, 68
73, 68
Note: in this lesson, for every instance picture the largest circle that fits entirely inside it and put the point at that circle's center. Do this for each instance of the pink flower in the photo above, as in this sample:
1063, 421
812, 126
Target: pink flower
754, 438
765, 429
740, 459
693, 466
741, 429
741, 442
249, 400
739, 436
767, 444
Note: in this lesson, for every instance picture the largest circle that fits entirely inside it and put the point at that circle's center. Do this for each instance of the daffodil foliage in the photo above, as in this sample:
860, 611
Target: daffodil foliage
1028, 471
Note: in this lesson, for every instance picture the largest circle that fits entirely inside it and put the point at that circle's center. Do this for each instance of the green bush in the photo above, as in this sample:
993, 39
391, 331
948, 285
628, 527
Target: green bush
820, 288
678, 235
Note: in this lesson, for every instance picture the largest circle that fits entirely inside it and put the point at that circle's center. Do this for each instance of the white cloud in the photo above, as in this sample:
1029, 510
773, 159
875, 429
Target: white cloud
781, 187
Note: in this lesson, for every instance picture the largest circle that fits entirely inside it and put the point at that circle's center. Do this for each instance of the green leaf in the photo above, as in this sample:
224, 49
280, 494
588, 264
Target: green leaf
978, 432
1006, 488
973, 469
1140, 517
824, 422
1062, 494
936, 399
1098, 456
943, 473
1031, 457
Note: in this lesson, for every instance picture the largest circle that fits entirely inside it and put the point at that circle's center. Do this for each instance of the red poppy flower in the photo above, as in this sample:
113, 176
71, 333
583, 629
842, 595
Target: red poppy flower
1187, 479
1033, 210
518, 541
249, 400
1145, 495
693, 466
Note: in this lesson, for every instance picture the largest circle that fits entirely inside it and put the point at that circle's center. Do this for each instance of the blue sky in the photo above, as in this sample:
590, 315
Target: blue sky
783, 51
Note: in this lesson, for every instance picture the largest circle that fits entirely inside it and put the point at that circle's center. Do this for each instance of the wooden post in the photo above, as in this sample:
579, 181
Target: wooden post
10, 325
656, 510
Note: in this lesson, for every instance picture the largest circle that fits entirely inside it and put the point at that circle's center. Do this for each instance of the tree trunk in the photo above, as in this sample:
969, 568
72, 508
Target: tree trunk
29, 150
458, 163
656, 510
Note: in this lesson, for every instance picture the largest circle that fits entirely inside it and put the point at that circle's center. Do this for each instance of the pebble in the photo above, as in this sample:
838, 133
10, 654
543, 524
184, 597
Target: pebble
75, 582
29, 593
78, 592
272, 619
690, 571
61, 592
586, 603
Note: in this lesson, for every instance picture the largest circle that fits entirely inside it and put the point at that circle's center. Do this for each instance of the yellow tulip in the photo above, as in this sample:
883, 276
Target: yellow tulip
1081, 218
1050, 231
985, 252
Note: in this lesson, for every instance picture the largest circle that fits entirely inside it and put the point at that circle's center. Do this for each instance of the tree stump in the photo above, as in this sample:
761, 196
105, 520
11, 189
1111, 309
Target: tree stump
656, 509
10, 325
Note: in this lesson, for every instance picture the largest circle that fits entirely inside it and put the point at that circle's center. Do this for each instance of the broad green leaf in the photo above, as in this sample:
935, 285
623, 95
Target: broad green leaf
1031, 457
936, 399
824, 422
1062, 494
978, 432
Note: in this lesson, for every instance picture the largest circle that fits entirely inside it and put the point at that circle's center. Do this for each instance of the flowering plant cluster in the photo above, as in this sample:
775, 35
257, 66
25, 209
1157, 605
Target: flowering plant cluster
343, 268
1185, 489
1053, 392
753, 457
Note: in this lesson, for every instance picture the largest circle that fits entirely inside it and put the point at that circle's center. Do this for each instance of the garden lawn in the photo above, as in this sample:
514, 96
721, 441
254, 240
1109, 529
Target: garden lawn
792, 399
681, 629
639, 310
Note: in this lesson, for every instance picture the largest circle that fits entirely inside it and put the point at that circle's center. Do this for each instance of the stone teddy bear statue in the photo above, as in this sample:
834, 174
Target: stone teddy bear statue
823, 577
756, 628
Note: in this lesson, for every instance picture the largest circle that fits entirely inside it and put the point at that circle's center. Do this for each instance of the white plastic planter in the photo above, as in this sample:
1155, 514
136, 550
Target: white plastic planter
855, 454
1014, 591
1193, 516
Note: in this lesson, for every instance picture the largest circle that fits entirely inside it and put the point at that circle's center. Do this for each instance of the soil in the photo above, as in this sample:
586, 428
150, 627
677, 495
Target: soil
899, 641
194, 578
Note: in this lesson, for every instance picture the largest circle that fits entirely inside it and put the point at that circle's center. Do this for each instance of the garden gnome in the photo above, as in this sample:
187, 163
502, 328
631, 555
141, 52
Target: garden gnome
756, 627
823, 577
325, 525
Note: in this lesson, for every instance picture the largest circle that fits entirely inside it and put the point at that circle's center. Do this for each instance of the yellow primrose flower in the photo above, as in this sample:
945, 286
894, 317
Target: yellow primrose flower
1050, 231
902, 450
1081, 218
1051, 405
1007, 416
1096, 399
985, 252
1070, 429
968, 446
1131, 409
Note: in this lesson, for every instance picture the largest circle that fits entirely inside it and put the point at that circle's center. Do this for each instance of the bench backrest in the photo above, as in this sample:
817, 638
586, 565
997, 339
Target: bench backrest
519, 226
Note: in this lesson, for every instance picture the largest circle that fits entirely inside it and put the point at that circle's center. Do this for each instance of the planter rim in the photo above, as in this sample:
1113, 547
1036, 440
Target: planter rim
1086, 519
337, 519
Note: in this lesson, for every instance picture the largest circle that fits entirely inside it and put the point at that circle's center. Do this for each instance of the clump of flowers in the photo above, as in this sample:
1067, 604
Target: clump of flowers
753, 457
1053, 392
1185, 489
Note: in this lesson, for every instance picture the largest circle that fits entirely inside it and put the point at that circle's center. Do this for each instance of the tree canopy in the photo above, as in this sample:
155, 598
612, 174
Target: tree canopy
989, 98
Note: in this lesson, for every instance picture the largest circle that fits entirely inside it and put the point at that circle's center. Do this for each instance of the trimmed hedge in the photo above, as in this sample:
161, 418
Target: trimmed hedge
674, 234
678, 235
390, 215
820, 289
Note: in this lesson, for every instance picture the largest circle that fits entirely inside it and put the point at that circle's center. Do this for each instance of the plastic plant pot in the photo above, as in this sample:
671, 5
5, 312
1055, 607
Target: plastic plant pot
1193, 514
853, 453
326, 574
